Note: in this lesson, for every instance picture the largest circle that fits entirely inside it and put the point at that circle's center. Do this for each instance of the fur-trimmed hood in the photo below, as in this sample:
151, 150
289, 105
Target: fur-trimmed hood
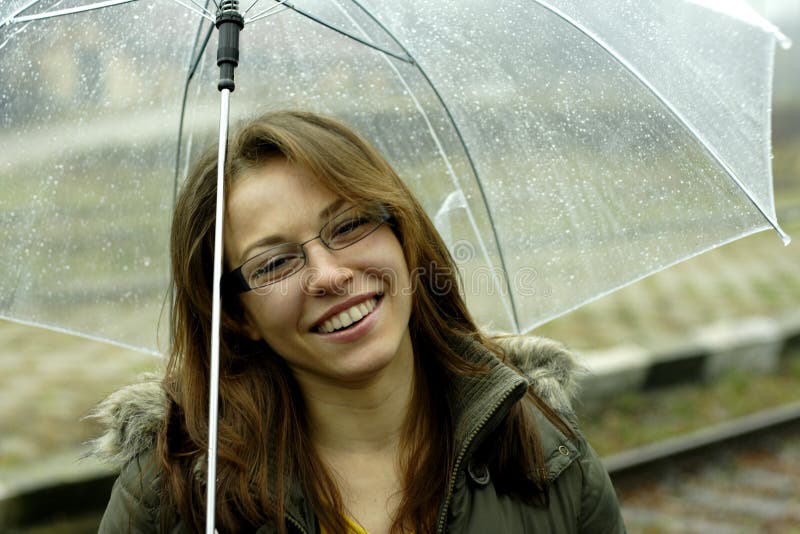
133, 416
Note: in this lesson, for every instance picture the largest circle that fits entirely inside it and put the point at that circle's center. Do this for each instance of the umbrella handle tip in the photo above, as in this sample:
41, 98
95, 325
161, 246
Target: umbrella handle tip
229, 23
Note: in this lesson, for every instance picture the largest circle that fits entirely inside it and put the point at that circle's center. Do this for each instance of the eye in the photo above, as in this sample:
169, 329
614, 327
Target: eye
350, 225
273, 265
269, 266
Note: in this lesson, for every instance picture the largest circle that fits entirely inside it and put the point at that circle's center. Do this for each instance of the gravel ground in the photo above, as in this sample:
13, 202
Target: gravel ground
740, 489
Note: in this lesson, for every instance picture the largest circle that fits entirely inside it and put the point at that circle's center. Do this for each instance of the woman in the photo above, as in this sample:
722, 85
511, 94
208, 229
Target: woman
355, 396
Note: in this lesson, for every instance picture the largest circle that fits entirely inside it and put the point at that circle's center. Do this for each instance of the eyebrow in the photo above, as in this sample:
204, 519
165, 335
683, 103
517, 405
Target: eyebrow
332, 208
324, 215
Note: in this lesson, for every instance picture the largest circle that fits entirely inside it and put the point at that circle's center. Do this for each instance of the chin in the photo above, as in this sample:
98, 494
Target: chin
373, 360
361, 369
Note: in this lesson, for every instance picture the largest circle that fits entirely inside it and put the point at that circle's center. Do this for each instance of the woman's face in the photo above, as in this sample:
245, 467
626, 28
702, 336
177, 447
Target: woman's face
287, 202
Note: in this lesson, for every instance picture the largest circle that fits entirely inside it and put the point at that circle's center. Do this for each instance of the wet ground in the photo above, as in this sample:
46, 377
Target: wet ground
48, 382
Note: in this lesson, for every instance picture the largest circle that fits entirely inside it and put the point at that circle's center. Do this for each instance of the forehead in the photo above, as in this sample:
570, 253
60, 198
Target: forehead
276, 186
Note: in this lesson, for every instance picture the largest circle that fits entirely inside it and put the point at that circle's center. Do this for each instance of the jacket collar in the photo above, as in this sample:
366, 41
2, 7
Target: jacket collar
479, 403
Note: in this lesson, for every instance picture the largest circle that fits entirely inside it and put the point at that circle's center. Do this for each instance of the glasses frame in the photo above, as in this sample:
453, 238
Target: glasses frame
235, 281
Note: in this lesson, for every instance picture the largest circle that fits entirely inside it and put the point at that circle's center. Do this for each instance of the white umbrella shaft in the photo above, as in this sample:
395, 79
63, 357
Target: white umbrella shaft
213, 387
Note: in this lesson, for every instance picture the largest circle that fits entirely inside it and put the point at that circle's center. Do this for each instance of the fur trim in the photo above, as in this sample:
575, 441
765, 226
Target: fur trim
550, 367
133, 416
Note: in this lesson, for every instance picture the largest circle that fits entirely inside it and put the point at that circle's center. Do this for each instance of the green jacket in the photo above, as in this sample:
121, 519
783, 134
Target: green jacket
581, 498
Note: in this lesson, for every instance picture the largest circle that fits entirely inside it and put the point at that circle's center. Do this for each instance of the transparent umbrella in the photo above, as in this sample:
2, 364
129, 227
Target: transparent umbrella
564, 149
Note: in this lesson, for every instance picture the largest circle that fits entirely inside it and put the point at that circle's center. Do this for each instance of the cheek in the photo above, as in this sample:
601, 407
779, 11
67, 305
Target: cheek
388, 250
273, 311
400, 264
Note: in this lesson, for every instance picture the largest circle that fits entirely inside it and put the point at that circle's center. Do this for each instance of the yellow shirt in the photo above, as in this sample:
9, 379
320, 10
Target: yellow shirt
352, 528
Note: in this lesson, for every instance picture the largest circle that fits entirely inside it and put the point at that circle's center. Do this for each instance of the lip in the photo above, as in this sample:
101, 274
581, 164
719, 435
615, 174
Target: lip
335, 310
353, 333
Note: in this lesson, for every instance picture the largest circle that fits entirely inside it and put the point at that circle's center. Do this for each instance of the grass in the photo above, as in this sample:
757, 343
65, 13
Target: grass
638, 418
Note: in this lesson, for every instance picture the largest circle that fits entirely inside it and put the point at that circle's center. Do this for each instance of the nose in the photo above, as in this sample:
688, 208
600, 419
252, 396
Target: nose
324, 273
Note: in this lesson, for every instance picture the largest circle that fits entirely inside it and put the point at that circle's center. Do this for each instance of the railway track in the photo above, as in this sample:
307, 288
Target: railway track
740, 477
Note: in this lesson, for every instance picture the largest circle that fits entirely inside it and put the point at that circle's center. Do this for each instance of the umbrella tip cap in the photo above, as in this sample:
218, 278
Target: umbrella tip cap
229, 23
785, 238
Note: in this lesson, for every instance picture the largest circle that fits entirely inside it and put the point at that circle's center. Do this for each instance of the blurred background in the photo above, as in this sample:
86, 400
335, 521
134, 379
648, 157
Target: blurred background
747, 291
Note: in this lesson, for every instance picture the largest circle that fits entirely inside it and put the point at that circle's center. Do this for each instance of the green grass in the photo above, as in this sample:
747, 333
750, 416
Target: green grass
637, 418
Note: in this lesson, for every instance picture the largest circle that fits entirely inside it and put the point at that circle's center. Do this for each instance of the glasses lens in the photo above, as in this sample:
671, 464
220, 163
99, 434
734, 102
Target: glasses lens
351, 225
273, 265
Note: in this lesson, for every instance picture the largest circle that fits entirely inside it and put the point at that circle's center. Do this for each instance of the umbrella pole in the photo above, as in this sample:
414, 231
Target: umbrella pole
213, 388
229, 23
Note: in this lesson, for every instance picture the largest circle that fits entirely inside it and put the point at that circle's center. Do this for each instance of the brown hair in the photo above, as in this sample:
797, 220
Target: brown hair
260, 402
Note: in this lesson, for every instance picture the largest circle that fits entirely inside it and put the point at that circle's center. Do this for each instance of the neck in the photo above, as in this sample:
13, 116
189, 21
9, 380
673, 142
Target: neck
363, 417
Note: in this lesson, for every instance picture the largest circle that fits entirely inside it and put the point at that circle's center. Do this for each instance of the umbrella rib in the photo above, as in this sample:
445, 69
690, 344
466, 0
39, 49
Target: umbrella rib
480, 190
195, 62
23, 8
466, 151
197, 55
272, 10
704, 143
251, 6
265, 12
198, 52
66, 11
194, 10
299, 11
20, 29
201, 7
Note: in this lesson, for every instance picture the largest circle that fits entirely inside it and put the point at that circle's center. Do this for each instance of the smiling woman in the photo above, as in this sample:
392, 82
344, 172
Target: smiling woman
355, 394
337, 286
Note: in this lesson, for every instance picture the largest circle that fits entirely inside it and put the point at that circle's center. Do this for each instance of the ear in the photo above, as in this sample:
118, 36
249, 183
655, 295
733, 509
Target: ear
248, 328
238, 318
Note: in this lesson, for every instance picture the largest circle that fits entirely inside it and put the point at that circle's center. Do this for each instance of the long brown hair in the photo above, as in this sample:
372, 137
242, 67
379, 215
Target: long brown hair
263, 441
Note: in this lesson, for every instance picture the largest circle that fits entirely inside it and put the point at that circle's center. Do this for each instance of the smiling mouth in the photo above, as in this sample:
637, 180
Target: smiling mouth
349, 317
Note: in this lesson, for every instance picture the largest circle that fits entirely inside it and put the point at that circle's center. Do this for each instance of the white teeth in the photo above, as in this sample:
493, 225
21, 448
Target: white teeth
349, 316
355, 313
345, 319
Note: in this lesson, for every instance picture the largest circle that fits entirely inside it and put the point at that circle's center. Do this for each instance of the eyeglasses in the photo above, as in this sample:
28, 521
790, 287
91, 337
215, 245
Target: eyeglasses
282, 261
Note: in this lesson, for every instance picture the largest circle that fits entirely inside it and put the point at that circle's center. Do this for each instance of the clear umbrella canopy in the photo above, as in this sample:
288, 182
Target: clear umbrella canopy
562, 149
90, 108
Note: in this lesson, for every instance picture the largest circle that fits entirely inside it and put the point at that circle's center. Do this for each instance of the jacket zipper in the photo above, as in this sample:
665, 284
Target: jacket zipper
296, 523
460, 458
